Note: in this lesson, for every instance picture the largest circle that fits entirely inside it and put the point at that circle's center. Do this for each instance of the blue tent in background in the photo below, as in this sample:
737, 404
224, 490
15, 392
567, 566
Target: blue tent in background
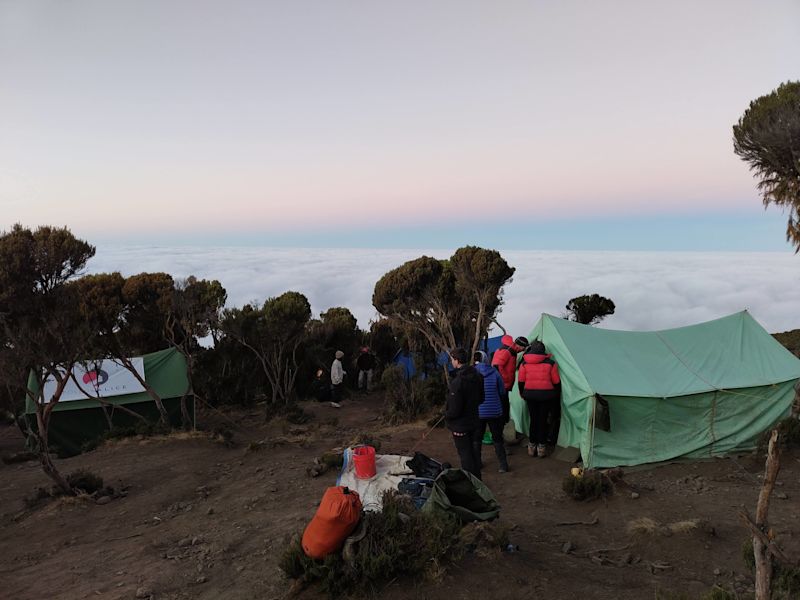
406, 359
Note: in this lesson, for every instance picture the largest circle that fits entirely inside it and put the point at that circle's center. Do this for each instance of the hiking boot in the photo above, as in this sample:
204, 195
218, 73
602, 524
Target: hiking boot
336, 405
541, 450
503, 469
531, 450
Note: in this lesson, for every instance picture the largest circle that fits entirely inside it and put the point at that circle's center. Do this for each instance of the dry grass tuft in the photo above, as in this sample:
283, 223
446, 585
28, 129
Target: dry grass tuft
643, 526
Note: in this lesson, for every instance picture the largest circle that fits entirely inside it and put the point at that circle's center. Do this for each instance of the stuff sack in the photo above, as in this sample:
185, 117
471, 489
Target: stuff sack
417, 488
336, 518
425, 466
462, 494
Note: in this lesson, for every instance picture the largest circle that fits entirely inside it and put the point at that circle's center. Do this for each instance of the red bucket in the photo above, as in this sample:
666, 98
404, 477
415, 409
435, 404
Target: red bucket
364, 461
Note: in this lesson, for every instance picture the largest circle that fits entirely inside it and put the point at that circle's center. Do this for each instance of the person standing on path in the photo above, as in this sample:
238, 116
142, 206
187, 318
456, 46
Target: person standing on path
365, 363
465, 395
337, 379
490, 412
540, 386
505, 361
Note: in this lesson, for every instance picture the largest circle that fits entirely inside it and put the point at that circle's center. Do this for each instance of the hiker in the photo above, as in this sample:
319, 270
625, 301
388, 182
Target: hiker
505, 361
465, 394
365, 363
540, 387
321, 388
337, 379
490, 411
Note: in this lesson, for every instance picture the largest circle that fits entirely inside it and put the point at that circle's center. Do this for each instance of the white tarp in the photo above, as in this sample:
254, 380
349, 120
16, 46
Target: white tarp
390, 469
101, 378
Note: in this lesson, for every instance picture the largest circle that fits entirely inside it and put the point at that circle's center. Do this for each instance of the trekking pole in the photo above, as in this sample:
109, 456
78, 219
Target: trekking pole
426, 434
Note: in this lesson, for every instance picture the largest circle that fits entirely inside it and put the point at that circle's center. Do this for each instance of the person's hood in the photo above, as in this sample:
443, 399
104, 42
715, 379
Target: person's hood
484, 369
507, 340
533, 359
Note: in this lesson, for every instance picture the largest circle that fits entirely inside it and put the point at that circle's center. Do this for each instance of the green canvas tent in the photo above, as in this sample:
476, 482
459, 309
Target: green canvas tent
78, 421
698, 391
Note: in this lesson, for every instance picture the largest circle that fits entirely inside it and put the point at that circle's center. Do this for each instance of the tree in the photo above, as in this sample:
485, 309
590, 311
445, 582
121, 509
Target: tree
480, 275
194, 314
127, 318
40, 319
590, 309
273, 333
767, 137
450, 302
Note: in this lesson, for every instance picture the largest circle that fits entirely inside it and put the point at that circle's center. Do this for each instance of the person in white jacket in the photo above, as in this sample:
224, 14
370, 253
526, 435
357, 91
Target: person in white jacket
337, 379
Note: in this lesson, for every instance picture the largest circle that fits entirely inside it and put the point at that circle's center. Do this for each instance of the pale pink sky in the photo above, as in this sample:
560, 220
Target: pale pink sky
246, 115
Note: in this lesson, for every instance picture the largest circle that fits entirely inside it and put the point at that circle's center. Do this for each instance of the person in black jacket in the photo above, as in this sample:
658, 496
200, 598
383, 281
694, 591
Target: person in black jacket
465, 394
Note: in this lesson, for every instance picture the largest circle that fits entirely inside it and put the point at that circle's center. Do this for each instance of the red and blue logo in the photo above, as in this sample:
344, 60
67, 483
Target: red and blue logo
95, 377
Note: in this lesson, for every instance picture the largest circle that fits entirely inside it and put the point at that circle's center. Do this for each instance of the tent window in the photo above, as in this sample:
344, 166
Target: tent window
602, 413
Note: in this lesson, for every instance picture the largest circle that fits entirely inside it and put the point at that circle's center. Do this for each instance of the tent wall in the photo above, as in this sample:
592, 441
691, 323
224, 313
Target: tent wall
645, 430
70, 430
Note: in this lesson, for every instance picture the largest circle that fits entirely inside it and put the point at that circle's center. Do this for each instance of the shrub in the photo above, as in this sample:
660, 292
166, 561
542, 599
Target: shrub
85, 481
789, 432
399, 541
785, 580
590, 486
409, 399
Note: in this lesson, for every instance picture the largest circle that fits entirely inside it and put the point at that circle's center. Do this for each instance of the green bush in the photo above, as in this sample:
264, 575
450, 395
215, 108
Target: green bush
399, 541
590, 486
408, 400
785, 580
86, 481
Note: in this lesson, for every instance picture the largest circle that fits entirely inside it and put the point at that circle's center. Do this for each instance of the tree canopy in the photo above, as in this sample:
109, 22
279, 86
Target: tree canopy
589, 309
450, 302
767, 137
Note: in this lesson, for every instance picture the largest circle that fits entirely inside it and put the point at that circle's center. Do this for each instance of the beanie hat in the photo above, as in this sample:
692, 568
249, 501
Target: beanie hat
537, 347
521, 341
339, 354
507, 340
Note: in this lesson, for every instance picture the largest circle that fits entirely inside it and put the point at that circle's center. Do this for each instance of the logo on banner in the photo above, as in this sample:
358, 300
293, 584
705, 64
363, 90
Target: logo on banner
96, 377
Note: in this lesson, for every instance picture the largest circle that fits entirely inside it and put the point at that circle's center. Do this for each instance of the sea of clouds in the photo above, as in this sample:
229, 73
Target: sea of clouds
652, 290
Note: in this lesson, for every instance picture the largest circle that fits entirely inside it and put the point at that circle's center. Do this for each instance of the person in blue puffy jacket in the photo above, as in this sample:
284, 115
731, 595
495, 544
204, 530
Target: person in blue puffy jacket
491, 411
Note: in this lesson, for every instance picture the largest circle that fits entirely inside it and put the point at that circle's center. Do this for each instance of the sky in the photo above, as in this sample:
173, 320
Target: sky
515, 125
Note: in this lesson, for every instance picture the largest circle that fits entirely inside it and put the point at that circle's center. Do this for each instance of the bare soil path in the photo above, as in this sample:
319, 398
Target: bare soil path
203, 521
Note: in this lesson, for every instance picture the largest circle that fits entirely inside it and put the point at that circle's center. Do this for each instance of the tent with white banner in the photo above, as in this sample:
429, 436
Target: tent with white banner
80, 416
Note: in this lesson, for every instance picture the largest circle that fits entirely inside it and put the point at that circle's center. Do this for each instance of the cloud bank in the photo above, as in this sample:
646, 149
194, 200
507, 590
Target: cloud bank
652, 290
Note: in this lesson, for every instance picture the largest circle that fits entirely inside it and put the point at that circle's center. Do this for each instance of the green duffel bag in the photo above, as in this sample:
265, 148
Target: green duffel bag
460, 493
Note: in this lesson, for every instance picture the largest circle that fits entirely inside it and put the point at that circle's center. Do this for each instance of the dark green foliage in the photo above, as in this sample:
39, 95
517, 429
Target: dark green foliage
85, 481
400, 541
589, 309
297, 416
590, 486
407, 400
767, 138
449, 302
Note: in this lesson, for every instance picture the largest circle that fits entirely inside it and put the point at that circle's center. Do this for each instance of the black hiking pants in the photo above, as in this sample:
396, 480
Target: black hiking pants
541, 404
496, 428
465, 446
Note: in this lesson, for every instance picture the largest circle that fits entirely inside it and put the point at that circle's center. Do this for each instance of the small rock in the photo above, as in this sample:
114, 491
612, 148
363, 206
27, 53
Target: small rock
187, 541
202, 579
196, 540
567, 547
635, 495
210, 511
239, 569
143, 592
782, 495
103, 500
273, 489
259, 469
717, 572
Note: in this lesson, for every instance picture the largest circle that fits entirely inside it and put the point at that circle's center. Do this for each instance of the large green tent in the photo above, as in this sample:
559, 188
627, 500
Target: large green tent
698, 391
76, 422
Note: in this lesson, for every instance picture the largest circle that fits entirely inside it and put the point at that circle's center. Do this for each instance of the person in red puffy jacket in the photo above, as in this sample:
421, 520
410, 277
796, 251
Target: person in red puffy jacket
540, 386
505, 361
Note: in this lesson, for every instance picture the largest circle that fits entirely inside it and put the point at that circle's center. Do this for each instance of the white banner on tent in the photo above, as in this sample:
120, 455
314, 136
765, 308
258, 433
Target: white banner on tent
101, 378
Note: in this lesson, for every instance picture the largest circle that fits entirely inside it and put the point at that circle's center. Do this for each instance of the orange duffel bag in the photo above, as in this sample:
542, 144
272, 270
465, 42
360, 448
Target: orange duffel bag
337, 516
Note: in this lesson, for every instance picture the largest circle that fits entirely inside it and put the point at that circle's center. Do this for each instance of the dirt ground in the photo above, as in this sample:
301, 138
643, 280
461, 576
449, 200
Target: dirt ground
204, 521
